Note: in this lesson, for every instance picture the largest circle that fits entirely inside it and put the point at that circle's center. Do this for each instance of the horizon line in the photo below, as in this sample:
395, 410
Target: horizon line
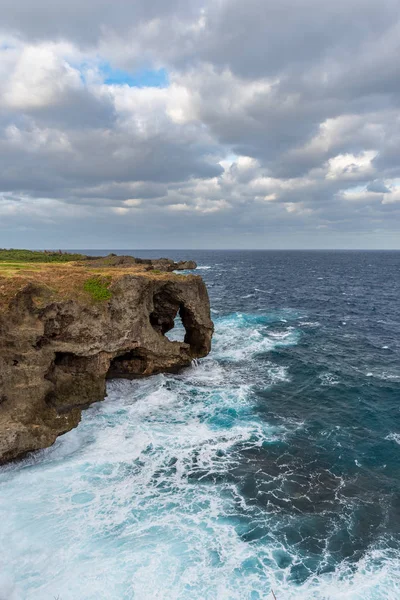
216, 249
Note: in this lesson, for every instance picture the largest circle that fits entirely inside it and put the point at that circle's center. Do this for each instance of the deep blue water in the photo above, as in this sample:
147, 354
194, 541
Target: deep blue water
274, 463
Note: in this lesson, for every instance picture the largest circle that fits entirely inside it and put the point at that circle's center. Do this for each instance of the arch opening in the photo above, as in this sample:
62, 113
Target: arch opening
166, 317
178, 331
170, 312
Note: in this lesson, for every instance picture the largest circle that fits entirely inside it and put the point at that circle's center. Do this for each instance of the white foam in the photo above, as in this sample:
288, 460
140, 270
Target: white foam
395, 437
7, 588
375, 577
328, 379
136, 502
110, 517
237, 340
385, 375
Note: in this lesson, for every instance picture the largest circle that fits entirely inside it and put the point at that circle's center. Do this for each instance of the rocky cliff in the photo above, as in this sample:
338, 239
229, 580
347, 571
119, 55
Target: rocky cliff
60, 343
146, 264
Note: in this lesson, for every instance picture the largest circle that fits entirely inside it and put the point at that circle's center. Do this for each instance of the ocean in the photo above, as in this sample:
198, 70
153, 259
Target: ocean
271, 465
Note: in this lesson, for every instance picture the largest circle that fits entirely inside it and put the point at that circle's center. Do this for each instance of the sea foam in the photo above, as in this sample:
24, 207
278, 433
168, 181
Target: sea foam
143, 500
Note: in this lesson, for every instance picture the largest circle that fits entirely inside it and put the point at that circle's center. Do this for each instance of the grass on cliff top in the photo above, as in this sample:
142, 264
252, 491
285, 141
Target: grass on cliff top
97, 287
14, 267
36, 256
66, 281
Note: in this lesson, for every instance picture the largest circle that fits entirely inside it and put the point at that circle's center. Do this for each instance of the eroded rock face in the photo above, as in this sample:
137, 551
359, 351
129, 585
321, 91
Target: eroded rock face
55, 358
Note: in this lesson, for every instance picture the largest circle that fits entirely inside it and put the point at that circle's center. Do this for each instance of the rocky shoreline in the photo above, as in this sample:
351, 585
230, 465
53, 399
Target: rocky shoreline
56, 352
148, 264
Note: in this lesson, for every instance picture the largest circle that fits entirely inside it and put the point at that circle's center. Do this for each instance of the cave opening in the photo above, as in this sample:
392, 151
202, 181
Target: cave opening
68, 359
129, 364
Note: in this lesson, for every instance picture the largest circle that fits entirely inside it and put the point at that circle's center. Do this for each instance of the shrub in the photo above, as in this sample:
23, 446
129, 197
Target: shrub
97, 287
36, 256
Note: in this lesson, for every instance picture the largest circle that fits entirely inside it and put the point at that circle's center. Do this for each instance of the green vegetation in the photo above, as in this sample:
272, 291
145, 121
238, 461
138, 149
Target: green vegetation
97, 287
36, 256
155, 271
17, 265
7, 268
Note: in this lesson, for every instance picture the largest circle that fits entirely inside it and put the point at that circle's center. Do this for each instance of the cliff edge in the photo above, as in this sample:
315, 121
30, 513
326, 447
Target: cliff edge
65, 329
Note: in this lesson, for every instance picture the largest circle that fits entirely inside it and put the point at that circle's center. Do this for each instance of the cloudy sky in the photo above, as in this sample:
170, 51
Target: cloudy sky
200, 124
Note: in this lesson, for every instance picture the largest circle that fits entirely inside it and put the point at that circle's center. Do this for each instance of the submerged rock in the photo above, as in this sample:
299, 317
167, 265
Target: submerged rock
56, 354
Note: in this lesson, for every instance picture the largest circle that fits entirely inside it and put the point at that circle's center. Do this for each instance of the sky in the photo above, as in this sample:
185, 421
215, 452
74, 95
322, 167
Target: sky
200, 124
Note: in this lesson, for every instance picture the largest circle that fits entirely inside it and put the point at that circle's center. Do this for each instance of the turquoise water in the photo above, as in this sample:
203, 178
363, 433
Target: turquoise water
271, 464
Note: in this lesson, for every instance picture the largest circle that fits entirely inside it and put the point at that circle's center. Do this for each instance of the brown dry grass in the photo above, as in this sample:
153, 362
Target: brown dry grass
61, 281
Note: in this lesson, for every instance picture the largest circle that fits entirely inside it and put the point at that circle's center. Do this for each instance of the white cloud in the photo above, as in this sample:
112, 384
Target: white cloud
392, 198
350, 166
39, 78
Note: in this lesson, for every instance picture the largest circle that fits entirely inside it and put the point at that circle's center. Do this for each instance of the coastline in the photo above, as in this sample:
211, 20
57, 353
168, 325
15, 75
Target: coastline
67, 327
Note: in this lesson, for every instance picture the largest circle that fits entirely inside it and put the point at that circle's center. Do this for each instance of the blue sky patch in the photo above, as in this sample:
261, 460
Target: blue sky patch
143, 78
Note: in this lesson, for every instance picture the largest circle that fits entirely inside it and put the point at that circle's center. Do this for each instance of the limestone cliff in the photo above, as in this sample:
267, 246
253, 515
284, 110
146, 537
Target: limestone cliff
147, 264
58, 347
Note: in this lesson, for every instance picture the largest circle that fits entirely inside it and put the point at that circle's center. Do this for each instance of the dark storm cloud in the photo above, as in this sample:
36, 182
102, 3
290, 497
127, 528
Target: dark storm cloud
85, 21
263, 37
78, 109
378, 186
96, 157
